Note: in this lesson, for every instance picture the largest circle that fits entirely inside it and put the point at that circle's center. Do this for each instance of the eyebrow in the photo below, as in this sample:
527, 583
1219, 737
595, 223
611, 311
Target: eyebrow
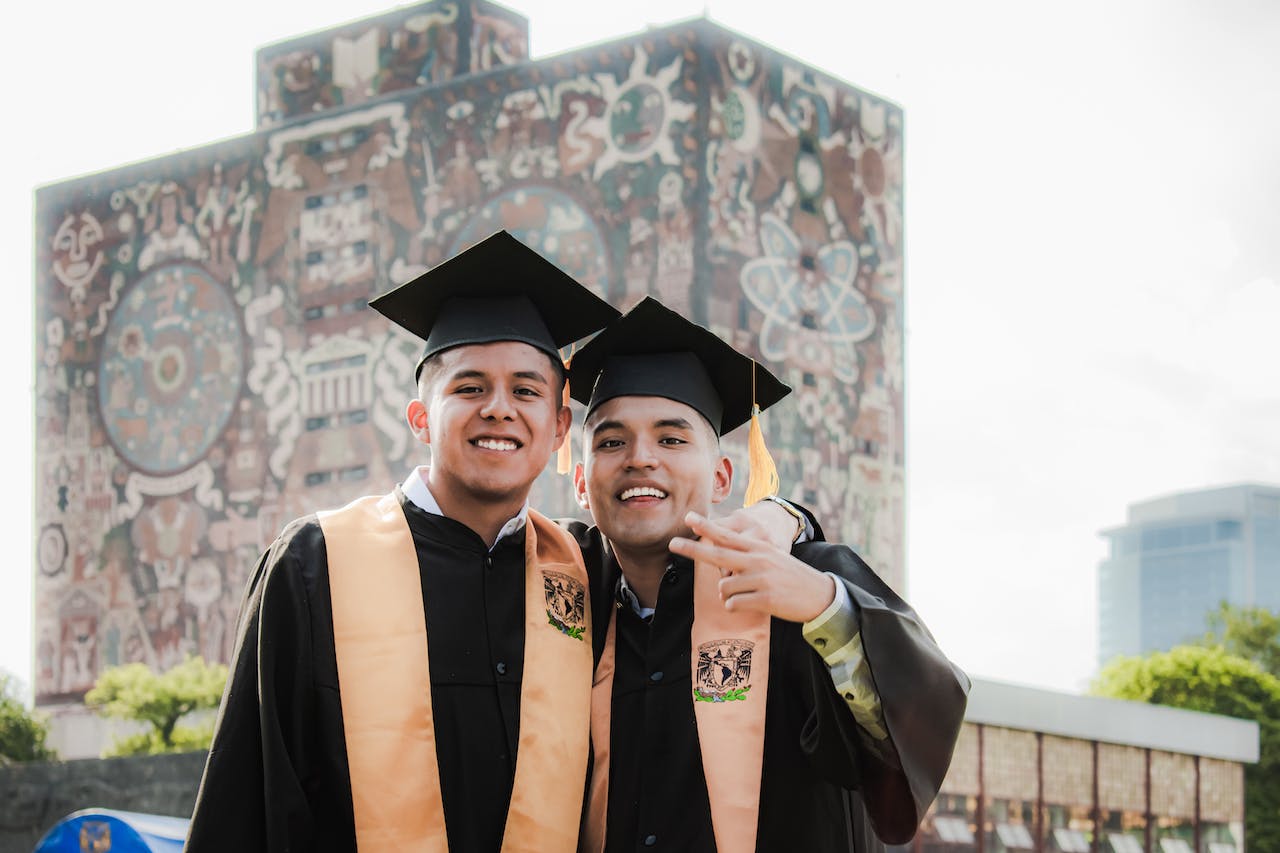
665, 423
480, 374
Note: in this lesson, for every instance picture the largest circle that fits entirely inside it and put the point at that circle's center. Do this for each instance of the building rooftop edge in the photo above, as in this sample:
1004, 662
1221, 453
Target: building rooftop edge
1116, 721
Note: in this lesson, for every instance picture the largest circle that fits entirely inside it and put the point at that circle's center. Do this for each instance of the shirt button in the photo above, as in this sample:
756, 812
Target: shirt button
656, 676
820, 642
488, 562
650, 840
501, 668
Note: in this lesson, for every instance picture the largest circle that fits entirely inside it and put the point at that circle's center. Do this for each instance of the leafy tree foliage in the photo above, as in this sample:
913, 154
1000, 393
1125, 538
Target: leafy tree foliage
22, 732
135, 692
1252, 633
1209, 679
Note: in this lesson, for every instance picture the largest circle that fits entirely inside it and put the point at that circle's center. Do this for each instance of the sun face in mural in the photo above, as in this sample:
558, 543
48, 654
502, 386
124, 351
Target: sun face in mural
77, 255
637, 123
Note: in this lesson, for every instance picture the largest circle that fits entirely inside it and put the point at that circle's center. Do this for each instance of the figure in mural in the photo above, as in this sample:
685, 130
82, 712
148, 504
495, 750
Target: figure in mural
168, 229
785, 688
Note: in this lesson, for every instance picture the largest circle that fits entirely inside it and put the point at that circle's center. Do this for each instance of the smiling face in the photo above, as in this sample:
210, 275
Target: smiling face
649, 460
492, 416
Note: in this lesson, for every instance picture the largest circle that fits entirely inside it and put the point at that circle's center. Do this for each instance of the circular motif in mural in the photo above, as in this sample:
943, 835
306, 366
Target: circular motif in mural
809, 174
550, 222
172, 369
637, 117
742, 64
51, 550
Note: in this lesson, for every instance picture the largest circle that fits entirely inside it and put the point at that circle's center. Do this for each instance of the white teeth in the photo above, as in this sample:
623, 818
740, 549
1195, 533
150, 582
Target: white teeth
641, 491
494, 444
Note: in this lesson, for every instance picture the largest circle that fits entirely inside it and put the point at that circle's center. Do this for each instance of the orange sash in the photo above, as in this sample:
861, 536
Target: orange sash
729, 661
380, 640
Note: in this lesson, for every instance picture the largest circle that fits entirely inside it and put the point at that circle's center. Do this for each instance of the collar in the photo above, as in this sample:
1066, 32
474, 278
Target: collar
416, 492
627, 596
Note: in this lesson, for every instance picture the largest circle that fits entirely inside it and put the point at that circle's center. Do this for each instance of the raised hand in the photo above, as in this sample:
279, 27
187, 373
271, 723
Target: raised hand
756, 573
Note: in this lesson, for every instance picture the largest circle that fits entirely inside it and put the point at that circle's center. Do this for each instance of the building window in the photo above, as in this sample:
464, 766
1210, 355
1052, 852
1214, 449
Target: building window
1227, 531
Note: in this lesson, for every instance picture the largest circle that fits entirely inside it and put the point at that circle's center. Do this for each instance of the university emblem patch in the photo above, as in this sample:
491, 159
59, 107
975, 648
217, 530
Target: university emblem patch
566, 603
724, 671
95, 837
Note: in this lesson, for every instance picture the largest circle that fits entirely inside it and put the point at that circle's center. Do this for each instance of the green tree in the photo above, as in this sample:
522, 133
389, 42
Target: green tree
135, 692
1252, 633
22, 733
1209, 679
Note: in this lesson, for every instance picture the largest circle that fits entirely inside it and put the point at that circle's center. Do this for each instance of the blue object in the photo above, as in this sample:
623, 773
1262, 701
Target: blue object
110, 831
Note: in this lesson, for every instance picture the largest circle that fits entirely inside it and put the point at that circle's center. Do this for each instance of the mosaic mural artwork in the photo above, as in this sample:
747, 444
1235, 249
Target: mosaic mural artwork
207, 368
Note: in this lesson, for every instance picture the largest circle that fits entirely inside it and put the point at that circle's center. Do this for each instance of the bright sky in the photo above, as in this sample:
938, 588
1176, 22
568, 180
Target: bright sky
1092, 212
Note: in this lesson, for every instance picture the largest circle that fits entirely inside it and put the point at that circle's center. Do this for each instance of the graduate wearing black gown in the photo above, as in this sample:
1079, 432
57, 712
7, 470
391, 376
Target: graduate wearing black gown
277, 777
822, 771
280, 775
828, 782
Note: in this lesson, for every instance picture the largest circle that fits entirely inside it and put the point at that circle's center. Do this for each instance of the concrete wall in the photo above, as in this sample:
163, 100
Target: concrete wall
35, 796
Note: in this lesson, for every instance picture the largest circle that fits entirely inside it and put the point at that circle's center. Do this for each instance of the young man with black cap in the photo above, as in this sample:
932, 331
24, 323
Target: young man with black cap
341, 727
745, 698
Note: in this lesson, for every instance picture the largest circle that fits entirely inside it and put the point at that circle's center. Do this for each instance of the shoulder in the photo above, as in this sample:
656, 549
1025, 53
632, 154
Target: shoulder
295, 559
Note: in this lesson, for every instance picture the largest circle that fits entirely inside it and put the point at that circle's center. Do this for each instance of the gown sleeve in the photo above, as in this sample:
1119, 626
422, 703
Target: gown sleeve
922, 698
252, 796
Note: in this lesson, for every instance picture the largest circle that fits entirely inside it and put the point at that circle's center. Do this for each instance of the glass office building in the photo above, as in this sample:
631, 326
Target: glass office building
1178, 557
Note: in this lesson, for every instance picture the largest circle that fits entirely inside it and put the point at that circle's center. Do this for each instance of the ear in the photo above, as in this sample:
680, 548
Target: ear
416, 414
721, 479
564, 419
580, 487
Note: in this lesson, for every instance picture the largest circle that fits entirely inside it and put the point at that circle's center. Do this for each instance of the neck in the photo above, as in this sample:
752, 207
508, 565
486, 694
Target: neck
484, 516
643, 571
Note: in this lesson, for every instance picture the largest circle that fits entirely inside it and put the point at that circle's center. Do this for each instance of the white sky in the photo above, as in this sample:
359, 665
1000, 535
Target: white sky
1093, 202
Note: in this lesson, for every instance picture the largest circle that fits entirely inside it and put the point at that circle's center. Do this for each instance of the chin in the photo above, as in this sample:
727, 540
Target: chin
643, 537
500, 490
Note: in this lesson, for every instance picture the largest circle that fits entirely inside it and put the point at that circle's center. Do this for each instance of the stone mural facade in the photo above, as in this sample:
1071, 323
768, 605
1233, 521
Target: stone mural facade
206, 367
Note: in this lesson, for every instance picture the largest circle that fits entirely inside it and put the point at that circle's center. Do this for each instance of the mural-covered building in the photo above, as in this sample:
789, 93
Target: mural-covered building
207, 369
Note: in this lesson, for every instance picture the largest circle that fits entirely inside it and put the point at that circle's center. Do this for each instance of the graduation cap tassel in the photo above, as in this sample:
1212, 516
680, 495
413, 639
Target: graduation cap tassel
564, 456
762, 476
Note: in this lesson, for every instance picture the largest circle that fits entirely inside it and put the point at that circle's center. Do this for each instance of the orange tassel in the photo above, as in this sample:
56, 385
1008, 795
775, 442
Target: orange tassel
564, 456
762, 477
762, 473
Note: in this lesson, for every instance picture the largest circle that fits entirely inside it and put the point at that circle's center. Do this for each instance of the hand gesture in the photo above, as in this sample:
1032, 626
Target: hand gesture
755, 573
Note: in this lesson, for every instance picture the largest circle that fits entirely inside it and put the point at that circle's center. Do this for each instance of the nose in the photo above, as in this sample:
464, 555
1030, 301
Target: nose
641, 455
497, 407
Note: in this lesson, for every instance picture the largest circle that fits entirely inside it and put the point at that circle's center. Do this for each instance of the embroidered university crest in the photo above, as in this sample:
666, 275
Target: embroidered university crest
566, 603
724, 671
95, 837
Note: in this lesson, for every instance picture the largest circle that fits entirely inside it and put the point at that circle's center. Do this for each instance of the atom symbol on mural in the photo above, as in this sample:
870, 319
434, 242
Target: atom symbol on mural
811, 308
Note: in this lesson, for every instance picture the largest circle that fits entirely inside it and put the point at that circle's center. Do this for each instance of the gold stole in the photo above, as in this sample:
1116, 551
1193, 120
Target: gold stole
380, 640
729, 662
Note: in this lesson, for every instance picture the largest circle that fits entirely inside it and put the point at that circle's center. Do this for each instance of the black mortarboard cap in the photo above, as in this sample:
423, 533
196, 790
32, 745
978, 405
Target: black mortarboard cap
651, 351
497, 290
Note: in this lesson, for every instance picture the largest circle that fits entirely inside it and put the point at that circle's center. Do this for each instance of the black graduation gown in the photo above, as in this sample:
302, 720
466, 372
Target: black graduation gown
277, 776
826, 784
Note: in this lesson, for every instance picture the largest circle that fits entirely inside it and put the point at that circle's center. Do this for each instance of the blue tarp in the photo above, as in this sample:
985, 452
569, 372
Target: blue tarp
108, 831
